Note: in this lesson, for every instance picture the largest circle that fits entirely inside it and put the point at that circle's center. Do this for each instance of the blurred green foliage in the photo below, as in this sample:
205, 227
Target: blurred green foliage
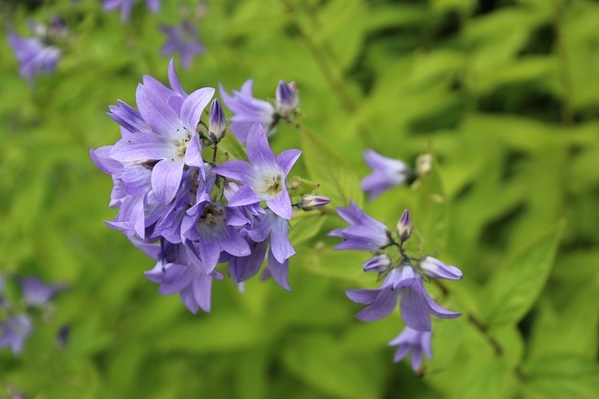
504, 93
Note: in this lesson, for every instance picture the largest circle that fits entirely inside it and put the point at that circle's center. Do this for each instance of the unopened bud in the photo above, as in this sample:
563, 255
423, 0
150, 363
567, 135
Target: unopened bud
312, 202
435, 268
286, 98
379, 263
217, 125
404, 226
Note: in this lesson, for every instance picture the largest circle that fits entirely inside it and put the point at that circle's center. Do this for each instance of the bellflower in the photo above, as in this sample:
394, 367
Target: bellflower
180, 271
414, 341
248, 110
265, 178
15, 331
33, 54
182, 39
127, 5
363, 233
402, 284
386, 173
172, 141
287, 100
36, 293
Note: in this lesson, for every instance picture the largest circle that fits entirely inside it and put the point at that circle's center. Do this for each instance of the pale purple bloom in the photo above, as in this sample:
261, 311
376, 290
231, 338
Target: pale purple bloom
402, 284
248, 110
171, 139
180, 271
435, 268
363, 233
36, 293
414, 342
14, 332
33, 55
265, 179
386, 173
182, 39
127, 5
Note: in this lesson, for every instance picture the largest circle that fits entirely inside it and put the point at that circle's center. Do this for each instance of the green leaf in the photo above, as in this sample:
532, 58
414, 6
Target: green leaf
337, 179
304, 226
317, 360
515, 288
561, 377
575, 332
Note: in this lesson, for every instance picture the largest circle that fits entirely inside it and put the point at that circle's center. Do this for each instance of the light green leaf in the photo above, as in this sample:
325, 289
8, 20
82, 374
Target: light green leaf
516, 286
561, 377
337, 179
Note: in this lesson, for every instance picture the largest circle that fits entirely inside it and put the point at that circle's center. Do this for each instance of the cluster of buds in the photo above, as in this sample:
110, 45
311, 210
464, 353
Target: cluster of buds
404, 278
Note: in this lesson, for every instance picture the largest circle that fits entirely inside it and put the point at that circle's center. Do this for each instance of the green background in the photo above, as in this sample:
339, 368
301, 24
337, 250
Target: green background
504, 94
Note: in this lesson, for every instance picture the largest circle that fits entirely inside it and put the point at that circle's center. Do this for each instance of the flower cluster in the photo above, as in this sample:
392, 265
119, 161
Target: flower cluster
182, 38
39, 53
249, 110
188, 213
404, 278
18, 324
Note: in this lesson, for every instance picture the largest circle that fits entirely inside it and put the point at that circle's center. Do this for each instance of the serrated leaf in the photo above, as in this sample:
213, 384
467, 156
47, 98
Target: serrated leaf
337, 179
515, 288
303, 227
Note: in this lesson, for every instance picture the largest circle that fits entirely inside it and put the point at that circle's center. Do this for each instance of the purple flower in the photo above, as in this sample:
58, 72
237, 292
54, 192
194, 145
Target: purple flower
416, 342
15, 331
364, 232
33, 55
404, 226
180, 271
378, 263
37, 293
127, 5
265, 179
248, 110
311, 202
386, 173
170, 140
402, 284
217, 125
182, 39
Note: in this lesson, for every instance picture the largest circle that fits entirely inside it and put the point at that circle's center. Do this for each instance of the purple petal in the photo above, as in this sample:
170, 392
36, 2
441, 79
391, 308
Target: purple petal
281, 205
258, 150
166, 179
365, 297
194, 105
244, 196
155, 111
287, 159
202, 289
414, 310
383, 305
141, 146
278, 271
235, 169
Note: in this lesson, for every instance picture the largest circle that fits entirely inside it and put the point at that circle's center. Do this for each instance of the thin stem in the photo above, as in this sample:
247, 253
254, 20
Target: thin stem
485, 331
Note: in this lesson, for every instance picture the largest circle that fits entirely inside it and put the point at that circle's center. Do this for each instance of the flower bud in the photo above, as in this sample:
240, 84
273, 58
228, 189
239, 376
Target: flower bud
217, 125
311, 202
435, 268
286, 98
404, 226
424, 164
379, 263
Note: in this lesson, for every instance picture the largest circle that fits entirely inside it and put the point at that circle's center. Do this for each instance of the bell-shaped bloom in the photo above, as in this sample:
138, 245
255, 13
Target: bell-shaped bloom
265, 178
33, 55
14, 331
435, 268
363, 233
414, 342
182, 272
182, 39
127, 5
248, 110
386, 173
170, 143
402, 284
378, 263
36, 293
